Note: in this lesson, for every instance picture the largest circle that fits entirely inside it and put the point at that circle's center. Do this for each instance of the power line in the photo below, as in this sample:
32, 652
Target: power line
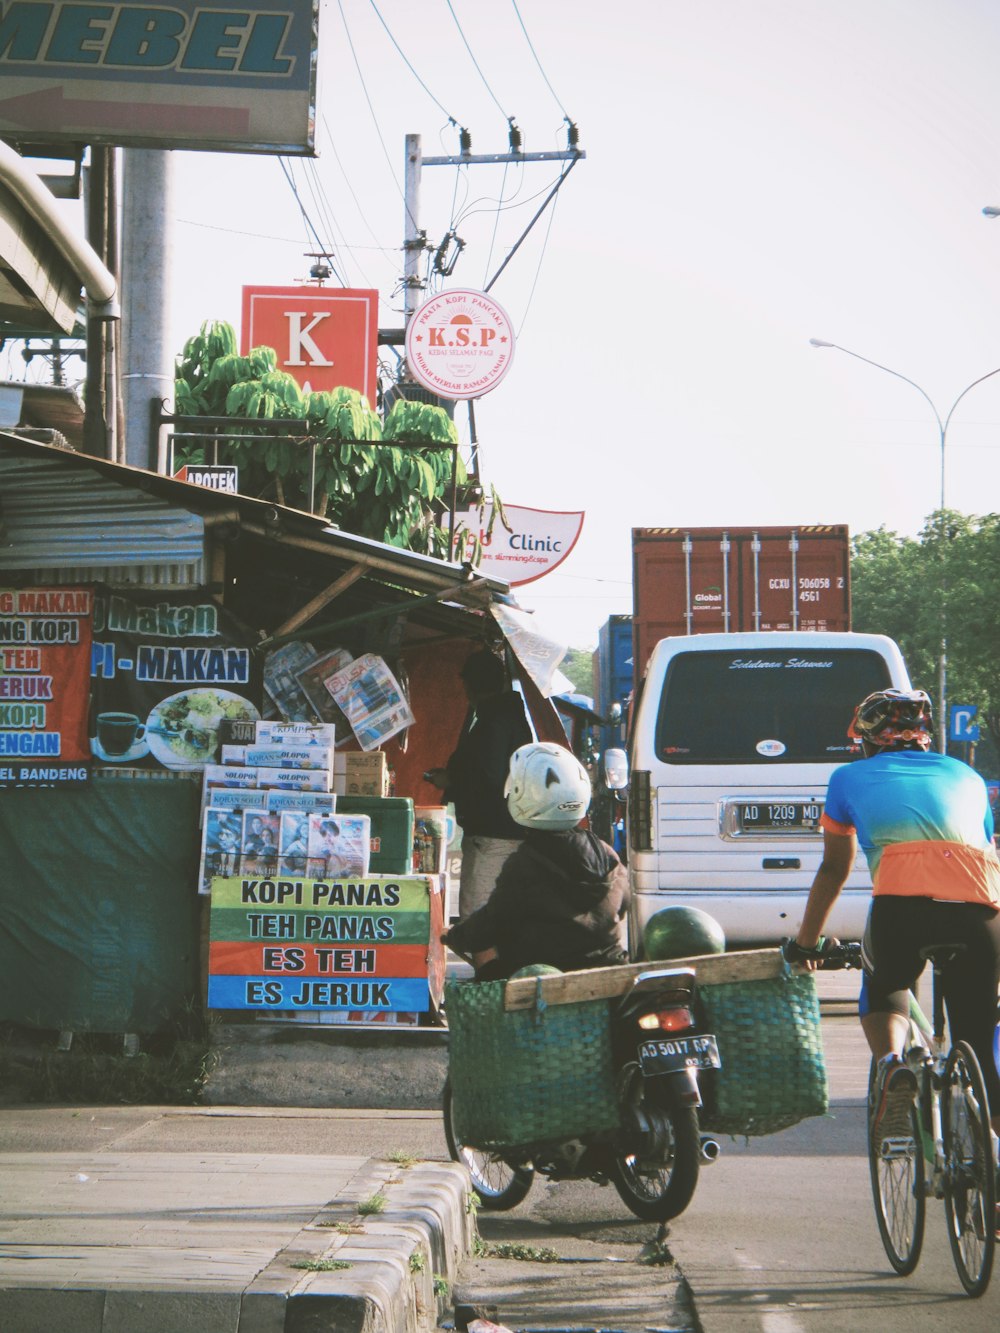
451, 118
509, 119
539, 63
371, 109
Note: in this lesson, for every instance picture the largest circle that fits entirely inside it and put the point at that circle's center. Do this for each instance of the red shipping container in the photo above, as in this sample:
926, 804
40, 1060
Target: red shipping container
719, 580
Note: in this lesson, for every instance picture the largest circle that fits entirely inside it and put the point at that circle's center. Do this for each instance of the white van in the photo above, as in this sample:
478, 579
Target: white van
733, 741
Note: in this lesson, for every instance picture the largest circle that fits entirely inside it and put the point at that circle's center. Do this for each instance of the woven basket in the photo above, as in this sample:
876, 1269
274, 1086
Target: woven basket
527, 1076
773, 1074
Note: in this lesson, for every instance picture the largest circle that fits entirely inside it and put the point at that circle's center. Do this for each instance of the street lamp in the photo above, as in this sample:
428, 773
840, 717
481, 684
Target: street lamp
943, 433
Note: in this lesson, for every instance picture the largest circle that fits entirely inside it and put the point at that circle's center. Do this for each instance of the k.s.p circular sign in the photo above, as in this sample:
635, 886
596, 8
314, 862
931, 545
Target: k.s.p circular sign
459, 344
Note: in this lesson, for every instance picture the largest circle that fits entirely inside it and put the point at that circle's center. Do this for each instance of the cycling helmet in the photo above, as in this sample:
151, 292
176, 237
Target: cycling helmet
547, 787
893, 720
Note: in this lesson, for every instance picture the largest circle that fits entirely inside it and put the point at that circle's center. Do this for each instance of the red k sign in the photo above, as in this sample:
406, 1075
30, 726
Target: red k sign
324, 337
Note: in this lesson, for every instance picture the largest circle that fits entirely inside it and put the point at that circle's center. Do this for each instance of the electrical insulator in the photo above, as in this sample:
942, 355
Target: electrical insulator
572, 135
514, 136
465, 142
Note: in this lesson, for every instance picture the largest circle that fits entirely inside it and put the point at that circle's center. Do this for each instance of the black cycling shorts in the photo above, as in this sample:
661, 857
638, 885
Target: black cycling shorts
898, 928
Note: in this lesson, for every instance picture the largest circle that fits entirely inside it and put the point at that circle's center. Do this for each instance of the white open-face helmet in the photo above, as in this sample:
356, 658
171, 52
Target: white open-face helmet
547, 787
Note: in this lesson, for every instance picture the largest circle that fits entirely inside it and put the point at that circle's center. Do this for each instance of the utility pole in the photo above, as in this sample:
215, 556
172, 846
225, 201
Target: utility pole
415, 240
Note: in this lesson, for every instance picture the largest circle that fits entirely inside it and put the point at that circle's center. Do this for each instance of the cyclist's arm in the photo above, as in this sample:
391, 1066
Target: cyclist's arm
839, 851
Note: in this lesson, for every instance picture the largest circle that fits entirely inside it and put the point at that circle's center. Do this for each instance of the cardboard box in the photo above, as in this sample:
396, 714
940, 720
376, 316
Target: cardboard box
360, 774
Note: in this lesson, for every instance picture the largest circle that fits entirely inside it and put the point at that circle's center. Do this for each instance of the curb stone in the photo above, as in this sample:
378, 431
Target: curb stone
426, 1213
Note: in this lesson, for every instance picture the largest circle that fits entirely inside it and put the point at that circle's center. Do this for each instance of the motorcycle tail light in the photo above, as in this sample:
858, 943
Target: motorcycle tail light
667, 1020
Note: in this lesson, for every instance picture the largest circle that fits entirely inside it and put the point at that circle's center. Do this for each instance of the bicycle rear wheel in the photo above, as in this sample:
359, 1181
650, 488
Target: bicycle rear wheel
970, 1184
897, 1174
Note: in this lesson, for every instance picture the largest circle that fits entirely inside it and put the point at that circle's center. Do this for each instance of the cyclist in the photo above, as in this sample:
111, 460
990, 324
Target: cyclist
561, 897
924, 823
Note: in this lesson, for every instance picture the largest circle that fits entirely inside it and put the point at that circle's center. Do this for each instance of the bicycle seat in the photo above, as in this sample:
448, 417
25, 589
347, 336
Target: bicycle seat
939, 954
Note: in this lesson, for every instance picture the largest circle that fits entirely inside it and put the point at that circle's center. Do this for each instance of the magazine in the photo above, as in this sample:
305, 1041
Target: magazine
220, 846
259, 848
372, 700
293, 843
339, 846
313, 681
280, 668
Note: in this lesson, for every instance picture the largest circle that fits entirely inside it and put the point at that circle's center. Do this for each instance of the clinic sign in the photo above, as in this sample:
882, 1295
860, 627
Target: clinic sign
212, 74
323, 337
459, 344
536, 542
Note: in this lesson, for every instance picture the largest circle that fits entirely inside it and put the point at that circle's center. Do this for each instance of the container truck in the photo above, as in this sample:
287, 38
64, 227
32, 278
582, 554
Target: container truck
747, 675
737, 580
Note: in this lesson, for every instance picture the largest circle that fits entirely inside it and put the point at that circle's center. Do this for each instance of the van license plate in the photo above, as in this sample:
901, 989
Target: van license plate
668, 1054
778, 816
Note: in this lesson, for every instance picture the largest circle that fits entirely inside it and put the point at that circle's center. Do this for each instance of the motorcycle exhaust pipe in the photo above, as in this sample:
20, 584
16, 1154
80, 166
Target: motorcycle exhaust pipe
709, 1150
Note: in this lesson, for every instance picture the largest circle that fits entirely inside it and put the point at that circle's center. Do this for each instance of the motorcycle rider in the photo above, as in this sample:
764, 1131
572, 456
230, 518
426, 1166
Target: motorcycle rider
562, 896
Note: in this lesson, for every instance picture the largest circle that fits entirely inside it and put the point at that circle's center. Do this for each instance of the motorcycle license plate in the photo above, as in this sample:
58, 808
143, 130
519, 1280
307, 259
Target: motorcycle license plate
667, 1054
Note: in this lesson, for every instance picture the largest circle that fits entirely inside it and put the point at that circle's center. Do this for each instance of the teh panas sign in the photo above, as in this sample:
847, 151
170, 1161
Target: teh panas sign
538, 542
324, 338
459, 344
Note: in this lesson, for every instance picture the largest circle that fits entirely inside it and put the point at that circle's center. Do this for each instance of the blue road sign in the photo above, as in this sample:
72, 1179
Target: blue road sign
962, 726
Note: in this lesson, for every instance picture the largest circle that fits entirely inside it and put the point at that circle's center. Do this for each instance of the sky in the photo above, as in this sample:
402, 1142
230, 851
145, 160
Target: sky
756, 175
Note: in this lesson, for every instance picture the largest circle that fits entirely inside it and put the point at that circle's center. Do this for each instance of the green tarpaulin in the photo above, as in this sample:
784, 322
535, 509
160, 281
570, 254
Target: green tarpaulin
98, 905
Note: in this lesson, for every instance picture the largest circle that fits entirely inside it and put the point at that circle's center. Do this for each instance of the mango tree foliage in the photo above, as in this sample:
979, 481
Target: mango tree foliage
946, 582
379, 484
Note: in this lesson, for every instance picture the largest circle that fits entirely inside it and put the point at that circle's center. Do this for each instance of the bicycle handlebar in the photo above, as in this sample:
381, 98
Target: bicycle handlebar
836, 956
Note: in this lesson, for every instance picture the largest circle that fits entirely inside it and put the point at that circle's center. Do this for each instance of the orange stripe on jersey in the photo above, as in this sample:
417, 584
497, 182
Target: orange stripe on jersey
948, 870
831, 826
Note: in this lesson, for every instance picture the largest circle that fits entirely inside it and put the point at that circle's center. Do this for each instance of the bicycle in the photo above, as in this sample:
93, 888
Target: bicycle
948, 1153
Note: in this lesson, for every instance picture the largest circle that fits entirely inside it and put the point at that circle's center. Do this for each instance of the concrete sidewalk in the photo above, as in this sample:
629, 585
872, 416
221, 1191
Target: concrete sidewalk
221, 1242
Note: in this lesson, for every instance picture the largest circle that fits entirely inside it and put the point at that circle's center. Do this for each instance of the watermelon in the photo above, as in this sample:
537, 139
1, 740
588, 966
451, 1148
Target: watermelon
682, 932
537, 970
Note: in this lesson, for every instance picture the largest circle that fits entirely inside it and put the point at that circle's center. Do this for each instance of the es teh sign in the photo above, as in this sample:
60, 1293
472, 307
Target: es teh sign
222, 76
459, 344
538, 542
324, 337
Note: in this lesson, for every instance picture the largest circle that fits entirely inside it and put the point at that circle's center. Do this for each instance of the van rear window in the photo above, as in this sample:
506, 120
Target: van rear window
764, 706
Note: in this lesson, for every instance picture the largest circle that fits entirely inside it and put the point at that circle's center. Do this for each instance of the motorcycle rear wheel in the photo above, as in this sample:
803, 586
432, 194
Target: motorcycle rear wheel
657, 1190
498, 1185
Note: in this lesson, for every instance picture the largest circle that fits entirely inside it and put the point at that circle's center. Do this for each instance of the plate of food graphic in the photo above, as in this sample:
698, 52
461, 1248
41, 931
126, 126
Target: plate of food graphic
183, 730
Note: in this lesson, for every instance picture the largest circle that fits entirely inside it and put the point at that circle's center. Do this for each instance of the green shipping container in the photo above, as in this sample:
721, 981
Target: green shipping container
392, 830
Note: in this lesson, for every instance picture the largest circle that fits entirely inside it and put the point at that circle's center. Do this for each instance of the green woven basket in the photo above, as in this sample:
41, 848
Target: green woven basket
529, 1075
773, 1074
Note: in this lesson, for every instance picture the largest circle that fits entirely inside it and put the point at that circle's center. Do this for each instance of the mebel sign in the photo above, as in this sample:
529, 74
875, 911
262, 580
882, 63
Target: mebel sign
224, 76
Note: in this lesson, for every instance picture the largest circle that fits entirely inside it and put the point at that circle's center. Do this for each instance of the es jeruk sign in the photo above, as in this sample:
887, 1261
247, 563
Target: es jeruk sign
193, 74
310, 944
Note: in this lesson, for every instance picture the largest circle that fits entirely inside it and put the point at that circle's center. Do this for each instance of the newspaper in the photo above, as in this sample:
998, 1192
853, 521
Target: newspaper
280, 668
372, 700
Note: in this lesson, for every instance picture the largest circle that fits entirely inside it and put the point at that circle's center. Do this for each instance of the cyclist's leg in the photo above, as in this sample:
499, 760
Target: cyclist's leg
892, 964
970, 987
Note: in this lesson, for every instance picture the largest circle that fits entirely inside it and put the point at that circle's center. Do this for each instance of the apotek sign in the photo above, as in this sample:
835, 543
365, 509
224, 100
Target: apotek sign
459, 344
324, 337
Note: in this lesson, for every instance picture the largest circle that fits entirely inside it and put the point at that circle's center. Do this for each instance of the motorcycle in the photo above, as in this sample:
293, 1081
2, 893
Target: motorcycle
654, 1155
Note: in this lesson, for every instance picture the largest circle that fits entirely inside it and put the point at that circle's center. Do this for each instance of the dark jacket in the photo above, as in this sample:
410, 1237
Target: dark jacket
478, 769
559, 899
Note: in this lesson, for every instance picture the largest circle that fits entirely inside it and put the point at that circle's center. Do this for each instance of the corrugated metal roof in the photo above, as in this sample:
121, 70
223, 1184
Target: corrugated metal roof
56, 512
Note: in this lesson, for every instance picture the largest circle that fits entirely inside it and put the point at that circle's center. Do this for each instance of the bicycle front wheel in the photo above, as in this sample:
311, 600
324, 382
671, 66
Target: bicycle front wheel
970, 1184
897, 1174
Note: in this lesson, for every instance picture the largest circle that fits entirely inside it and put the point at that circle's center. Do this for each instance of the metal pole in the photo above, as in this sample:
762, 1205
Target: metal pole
413, 238
148, 362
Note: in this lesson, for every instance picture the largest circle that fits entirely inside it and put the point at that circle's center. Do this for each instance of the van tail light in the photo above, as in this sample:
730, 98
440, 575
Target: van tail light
640, 813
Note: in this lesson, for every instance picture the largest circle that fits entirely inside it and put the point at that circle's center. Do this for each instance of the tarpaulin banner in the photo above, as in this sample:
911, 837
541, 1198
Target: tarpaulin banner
168, 668
45, 636
367, 944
